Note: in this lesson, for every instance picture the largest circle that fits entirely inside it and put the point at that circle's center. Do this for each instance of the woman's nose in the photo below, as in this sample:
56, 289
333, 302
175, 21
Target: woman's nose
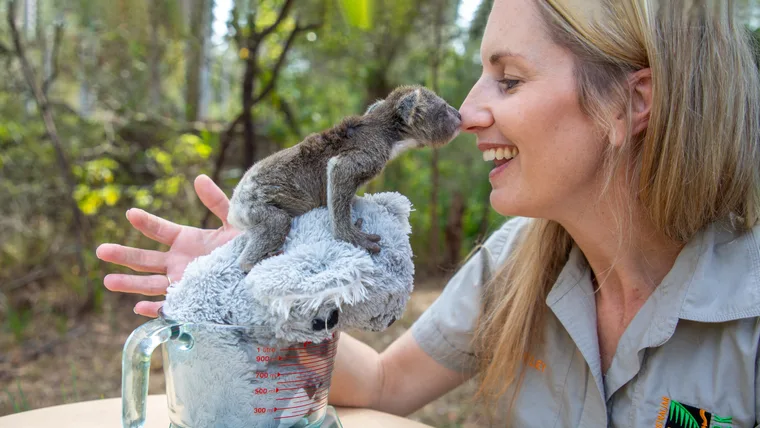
475, 112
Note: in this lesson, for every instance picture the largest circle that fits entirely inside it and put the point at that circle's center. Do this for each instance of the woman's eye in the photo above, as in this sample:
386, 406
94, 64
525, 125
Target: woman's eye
507, 84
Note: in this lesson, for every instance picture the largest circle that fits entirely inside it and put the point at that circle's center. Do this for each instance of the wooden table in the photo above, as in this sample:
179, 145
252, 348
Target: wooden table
107, 414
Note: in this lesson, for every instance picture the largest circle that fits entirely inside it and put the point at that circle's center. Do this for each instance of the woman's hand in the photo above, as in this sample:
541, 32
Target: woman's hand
186, 243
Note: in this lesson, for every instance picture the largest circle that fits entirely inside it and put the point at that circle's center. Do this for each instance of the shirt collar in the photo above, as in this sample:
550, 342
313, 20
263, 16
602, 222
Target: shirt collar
715, 278
720, 271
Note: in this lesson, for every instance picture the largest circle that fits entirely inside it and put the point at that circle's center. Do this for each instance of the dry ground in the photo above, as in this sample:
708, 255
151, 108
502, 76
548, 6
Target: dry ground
61, 361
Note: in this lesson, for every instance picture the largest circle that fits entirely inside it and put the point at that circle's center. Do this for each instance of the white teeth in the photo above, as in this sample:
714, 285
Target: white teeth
500, 153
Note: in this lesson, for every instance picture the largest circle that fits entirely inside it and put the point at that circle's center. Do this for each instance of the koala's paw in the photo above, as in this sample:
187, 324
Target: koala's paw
368, 241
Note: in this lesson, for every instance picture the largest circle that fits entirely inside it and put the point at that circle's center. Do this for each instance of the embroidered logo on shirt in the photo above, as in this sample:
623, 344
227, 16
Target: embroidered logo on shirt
537, 364
673, 414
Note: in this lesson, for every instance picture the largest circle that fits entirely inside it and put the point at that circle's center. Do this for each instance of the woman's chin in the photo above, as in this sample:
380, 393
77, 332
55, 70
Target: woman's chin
508, 203
505, 202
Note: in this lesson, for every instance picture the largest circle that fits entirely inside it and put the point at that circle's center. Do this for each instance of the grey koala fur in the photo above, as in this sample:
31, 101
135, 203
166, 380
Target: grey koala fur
327, 168
284, 298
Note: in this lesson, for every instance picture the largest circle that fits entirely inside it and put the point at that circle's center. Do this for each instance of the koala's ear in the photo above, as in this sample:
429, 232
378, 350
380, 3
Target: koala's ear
407, 106
374, 106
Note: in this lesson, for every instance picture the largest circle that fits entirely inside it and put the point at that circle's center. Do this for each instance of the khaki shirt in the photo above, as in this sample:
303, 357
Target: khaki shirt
690, 355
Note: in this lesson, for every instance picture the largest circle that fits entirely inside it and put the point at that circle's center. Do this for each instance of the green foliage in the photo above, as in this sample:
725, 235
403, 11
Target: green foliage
358, 12
17, 321
20, 404
119, 105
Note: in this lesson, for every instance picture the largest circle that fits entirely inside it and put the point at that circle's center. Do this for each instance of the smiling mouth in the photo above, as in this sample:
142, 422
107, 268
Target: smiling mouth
501, 153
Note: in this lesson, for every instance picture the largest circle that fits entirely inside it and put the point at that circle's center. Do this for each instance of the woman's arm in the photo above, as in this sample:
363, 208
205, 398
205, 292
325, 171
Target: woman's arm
400, 380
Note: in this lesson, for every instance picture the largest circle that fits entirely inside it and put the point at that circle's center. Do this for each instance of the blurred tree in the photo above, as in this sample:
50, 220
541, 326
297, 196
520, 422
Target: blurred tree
39, 91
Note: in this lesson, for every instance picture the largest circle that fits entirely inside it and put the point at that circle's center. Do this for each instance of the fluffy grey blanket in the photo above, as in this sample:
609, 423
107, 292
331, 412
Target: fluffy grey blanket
317, 287
290, 294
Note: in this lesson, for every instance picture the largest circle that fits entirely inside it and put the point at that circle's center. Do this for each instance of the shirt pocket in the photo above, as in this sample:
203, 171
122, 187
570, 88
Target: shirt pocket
702, 374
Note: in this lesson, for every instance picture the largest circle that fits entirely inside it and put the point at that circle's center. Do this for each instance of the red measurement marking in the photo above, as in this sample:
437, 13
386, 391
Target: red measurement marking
320, 391
304, 382
321, 375
315, 367
308, 345
325, 375
329, 353
309, 375
298, 415
308, 359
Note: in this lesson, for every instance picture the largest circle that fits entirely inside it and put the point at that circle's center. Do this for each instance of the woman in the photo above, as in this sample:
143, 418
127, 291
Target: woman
628, 288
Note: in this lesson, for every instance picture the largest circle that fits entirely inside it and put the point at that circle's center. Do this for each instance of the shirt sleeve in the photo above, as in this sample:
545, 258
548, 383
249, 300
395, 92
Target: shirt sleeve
444, 330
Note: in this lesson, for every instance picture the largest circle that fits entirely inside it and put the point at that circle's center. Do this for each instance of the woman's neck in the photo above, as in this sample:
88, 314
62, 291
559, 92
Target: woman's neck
627, 255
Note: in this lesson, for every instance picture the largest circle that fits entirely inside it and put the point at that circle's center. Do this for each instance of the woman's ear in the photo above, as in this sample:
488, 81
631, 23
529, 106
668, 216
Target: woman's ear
640, 83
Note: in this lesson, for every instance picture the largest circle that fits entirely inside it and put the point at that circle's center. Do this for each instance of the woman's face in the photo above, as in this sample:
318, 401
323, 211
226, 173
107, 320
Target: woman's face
526, 103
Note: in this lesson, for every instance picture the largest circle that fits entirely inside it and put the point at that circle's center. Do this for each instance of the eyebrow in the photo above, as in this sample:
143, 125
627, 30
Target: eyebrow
498, 56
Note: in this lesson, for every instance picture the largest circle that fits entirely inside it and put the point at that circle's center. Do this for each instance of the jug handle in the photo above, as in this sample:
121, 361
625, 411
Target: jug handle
135, 368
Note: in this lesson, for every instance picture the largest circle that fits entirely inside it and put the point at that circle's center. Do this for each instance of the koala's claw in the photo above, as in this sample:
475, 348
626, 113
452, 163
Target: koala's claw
370, 246
367, 241
275, 253
369, 236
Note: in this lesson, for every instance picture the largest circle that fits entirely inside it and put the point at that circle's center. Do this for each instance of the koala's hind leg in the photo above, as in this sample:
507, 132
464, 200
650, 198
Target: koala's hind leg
345, 174
269, 227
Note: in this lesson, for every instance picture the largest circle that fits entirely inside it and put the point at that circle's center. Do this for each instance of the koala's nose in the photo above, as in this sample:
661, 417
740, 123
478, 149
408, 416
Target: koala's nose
454, 112
318, 324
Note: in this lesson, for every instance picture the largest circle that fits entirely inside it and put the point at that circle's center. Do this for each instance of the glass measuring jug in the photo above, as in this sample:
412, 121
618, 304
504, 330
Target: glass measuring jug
227, 376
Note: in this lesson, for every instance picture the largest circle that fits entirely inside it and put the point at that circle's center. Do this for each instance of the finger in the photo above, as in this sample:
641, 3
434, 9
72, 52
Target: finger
212, 197
133, 258
154, 227
374, 238
148, 309
149, 285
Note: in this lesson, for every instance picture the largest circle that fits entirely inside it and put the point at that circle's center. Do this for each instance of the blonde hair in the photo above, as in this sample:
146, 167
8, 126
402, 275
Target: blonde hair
697, 161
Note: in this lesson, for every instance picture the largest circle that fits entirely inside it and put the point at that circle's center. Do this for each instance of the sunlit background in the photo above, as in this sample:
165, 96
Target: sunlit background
108, 105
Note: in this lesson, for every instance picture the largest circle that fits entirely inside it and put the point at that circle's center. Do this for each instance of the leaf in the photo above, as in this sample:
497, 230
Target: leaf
358, 12
110, 194
682, 416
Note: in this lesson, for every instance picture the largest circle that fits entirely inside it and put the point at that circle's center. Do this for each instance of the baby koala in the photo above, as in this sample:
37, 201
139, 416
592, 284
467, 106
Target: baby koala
327, 168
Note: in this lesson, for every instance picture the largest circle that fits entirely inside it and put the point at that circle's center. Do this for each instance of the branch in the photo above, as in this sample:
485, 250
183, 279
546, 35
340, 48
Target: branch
281, 60
4, 50
44, 108
224, 144
56, 50
236, 26
280, 18
289, 117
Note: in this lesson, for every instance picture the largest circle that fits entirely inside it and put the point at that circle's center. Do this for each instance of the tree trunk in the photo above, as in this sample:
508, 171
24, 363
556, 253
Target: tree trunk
454, 230
195, 59
155, 60
80, 227
434, 172
249, 135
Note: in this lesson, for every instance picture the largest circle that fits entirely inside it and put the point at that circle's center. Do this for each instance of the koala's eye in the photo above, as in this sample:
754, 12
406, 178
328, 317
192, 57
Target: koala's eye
317, 324
333, 320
